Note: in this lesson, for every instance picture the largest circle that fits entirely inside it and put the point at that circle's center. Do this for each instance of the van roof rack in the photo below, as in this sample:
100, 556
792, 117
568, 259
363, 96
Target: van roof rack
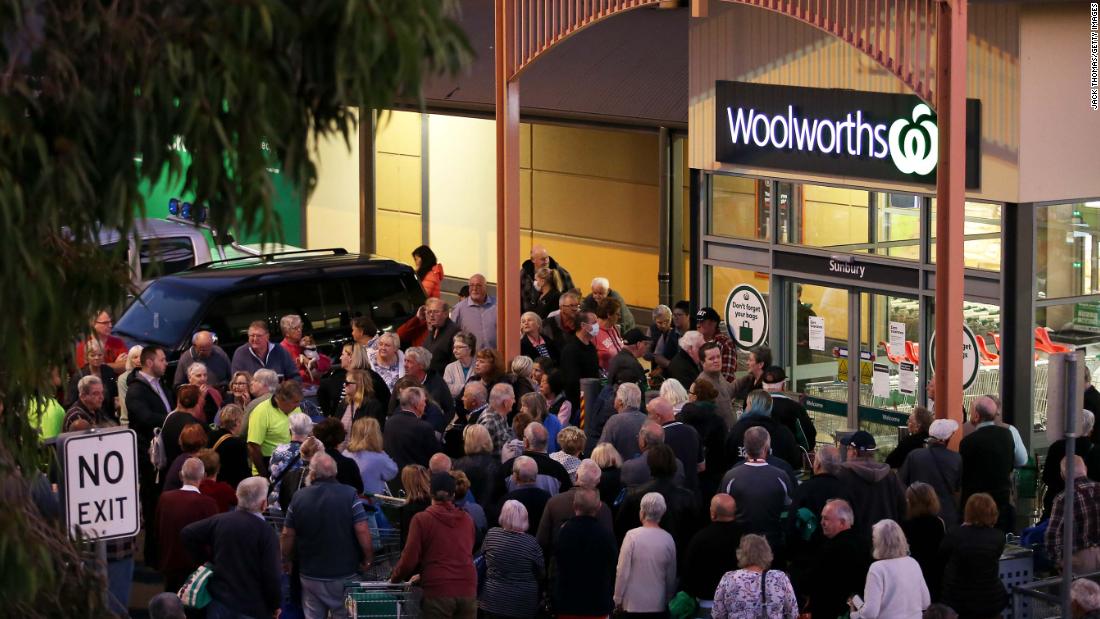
267, 258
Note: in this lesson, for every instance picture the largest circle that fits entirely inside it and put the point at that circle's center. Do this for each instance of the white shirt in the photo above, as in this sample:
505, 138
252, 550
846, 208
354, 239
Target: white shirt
190, 488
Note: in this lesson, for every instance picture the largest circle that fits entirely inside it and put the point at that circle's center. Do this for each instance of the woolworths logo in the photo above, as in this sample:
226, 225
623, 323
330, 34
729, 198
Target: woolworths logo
910, 144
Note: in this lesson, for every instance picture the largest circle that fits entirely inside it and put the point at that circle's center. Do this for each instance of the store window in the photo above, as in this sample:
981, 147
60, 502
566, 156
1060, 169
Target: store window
833, 217
1067, 251
981, 235
896, 225
740, 208
1062, 328
722, 280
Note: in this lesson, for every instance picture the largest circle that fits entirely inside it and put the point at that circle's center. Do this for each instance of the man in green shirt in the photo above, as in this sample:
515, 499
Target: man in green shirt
269, 424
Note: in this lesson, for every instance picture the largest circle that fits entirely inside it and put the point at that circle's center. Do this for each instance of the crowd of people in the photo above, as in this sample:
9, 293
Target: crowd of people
688, 486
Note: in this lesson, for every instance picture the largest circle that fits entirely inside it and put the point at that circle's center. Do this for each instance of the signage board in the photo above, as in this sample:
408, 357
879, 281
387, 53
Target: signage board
816, 330
872, 135
1086, 316
847, 269
100, 483
747, 317
970, 356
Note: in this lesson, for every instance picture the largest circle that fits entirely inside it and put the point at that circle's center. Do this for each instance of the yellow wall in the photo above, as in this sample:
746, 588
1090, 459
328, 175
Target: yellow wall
589, 195
462, 194
833, 216
397, 185
332, 213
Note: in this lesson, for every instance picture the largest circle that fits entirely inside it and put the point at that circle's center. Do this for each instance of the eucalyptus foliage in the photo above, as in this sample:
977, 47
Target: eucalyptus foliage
96, 97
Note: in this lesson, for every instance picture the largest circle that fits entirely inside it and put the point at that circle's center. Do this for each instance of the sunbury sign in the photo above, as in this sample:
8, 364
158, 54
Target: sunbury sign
871, 135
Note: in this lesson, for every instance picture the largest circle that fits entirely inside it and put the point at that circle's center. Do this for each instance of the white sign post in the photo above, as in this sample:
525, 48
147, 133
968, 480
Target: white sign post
747, 317
100, 483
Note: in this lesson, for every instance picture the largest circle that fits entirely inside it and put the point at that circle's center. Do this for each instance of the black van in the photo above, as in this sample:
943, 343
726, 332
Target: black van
327, 288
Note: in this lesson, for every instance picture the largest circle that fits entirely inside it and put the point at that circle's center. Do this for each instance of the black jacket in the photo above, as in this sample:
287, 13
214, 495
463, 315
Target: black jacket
170, 433
712, 434
145, 410
839, 573
409, 440
586, 555
1052, 468
711, 553
682, 517
547, 466
527, 349
347, 471
787, 411
245, 554
578, 360
529, 295
233, 452
987, 462
784, 445
331, 390
875, 491
683, 368
440, 342
906, 445
971, 582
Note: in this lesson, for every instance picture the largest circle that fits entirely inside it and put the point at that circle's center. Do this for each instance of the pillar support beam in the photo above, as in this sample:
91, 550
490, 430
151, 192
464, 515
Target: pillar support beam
950, 203
507, 177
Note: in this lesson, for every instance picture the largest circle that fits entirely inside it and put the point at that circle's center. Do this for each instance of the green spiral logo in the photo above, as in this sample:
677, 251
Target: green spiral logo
913, 145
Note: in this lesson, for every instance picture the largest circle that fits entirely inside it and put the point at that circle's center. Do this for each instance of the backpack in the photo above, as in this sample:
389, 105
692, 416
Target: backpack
157, 455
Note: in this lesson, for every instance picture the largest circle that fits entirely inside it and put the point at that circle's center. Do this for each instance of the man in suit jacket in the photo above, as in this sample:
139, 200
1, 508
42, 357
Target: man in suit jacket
987, 461
408, 439
147, 405
441, 334
175, 510
244, 552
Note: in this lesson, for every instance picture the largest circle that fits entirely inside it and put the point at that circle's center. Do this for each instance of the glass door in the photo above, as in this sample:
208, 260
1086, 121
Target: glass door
819, 359
889, 335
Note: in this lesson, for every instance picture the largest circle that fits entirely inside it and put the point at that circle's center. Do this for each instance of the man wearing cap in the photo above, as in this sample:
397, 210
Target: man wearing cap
788, 411
875, 490
707, 321
440, 544
939, 467
624, 366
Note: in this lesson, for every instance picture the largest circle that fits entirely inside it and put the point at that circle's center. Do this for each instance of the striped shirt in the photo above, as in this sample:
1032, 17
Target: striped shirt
514, 565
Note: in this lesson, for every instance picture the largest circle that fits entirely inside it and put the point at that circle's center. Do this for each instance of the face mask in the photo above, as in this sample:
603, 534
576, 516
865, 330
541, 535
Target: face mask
594, 329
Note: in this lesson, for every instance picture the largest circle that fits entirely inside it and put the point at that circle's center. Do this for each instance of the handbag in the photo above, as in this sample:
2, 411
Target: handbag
763, 612
194, 592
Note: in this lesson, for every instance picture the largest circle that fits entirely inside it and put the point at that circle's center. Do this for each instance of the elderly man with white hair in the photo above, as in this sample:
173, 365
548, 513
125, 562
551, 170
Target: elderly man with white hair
687, 365
204, 348
244, 554
842, 563
621, 430
645, 578
525, 489
326, 529
1086, 520
418, 363
551, 476
988, 457
1052, 476
87, 411
560, 507
407, 438
175, 510
495, 418
601, 289
478, 313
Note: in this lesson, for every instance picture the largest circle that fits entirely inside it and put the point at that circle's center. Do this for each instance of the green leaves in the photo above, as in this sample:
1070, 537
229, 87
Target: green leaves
87, 86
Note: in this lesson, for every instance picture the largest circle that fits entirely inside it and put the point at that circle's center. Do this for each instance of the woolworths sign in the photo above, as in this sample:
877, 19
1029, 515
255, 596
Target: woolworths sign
838, 132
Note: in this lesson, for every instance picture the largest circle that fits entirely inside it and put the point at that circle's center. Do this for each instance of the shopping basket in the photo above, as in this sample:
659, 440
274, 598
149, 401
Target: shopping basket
368, 599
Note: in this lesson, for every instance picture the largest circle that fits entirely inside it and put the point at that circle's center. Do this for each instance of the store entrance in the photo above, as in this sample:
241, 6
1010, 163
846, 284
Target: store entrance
842, 359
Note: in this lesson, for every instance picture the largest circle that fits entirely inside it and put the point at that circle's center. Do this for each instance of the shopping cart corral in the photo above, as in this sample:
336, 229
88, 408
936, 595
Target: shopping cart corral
368, 599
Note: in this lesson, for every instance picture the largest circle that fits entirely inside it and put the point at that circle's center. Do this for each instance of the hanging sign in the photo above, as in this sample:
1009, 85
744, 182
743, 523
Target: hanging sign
907, 378
850, 133
970, 356
747, 317
817, 332
897, 338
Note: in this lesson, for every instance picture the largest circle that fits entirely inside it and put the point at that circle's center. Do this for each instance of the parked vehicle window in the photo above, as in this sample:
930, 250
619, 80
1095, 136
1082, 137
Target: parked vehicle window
165, 256
164, 314
229, 316
389, 300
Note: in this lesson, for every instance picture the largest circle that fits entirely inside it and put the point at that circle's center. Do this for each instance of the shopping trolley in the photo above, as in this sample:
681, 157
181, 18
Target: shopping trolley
368, 599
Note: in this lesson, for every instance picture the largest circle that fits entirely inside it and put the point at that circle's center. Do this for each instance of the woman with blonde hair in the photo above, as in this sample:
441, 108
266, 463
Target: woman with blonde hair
387, 359
571, 439
610, 462
675, 393
359, 400
365, 447
416, 481
478, 463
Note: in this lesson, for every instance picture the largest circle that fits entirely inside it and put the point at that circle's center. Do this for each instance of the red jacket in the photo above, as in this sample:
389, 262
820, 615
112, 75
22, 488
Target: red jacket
433, 281
177, 509
440, 548
221, 492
